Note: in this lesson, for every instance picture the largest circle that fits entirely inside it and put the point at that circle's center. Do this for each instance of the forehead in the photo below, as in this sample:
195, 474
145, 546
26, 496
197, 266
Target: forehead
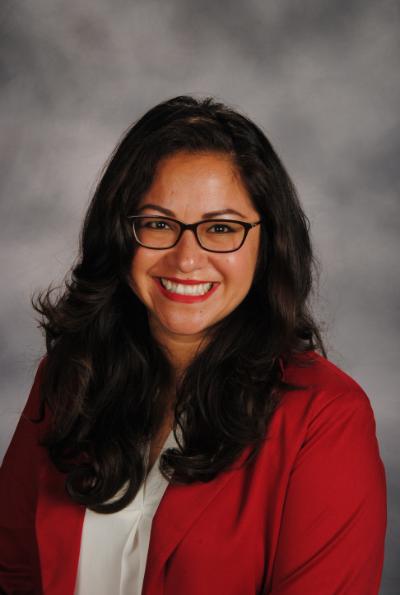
198, 182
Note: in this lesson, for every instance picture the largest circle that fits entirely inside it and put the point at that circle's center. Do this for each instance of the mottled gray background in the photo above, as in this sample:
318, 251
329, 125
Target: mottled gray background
321, 78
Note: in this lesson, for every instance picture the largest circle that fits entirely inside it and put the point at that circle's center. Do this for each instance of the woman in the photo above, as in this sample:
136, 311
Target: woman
183, 435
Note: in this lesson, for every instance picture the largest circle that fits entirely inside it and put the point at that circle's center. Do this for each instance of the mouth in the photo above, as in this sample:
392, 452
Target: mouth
192, 288
184, 293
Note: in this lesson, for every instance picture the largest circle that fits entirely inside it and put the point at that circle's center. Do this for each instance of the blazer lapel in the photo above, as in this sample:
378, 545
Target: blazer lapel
179, 508
59, 523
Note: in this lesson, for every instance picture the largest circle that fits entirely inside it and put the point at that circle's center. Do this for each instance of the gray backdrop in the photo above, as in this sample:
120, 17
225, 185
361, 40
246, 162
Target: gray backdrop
321, 78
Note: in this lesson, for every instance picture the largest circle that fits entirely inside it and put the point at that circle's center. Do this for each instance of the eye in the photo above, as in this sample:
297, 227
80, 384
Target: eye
155, 224
221, 228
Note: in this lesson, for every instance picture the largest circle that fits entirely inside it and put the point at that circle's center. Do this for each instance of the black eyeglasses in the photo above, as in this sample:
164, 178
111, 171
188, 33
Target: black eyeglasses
214, 235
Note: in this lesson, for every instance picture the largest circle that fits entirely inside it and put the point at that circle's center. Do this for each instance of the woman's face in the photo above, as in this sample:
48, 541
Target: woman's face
189, 186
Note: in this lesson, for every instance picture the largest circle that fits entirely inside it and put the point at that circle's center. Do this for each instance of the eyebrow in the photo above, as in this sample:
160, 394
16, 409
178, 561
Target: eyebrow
208, 215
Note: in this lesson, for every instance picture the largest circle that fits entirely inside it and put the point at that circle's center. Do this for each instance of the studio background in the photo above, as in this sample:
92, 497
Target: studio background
321, 78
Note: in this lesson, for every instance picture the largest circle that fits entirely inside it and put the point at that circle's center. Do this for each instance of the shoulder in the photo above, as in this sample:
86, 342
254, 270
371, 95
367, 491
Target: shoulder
313, 369
322, 384
32, 404
327, 417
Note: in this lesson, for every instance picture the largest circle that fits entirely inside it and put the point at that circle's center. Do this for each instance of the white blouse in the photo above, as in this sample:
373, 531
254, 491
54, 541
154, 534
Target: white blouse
114, 546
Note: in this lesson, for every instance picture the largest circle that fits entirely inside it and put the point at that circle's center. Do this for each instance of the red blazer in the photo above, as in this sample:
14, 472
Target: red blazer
306, 517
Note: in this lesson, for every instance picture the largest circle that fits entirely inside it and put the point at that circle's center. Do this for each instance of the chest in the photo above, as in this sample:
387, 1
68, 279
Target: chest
206, 537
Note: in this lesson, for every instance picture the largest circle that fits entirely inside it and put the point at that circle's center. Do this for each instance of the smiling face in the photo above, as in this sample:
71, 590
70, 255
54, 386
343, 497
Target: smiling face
189, 186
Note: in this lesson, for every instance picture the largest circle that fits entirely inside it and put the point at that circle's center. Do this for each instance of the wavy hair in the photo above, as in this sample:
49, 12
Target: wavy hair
105, 378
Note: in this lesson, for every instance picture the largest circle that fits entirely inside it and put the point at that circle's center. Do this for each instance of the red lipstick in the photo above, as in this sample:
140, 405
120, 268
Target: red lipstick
185, 299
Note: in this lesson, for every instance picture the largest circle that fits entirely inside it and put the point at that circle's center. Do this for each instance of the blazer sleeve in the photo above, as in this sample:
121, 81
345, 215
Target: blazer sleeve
333, 528
19, 564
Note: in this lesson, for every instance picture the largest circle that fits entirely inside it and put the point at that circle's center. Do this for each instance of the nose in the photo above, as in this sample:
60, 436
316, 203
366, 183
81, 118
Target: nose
187, 255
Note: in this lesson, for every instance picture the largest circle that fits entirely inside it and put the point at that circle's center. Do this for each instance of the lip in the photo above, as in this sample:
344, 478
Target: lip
184, 299
186, 281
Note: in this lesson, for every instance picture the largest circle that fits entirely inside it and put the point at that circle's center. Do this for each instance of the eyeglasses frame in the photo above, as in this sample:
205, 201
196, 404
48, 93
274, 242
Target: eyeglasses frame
193, 227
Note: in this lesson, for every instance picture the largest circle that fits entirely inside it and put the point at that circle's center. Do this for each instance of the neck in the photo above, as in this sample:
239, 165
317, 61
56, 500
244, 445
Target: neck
180, 355
179, 349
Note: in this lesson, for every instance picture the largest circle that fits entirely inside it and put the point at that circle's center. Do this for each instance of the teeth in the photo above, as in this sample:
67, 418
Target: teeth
199, 289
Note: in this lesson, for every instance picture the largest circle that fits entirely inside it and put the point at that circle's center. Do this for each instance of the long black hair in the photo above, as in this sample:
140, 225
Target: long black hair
105, 376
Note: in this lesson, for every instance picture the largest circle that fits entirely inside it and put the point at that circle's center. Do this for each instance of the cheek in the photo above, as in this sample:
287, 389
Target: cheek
239, 267
139, 265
